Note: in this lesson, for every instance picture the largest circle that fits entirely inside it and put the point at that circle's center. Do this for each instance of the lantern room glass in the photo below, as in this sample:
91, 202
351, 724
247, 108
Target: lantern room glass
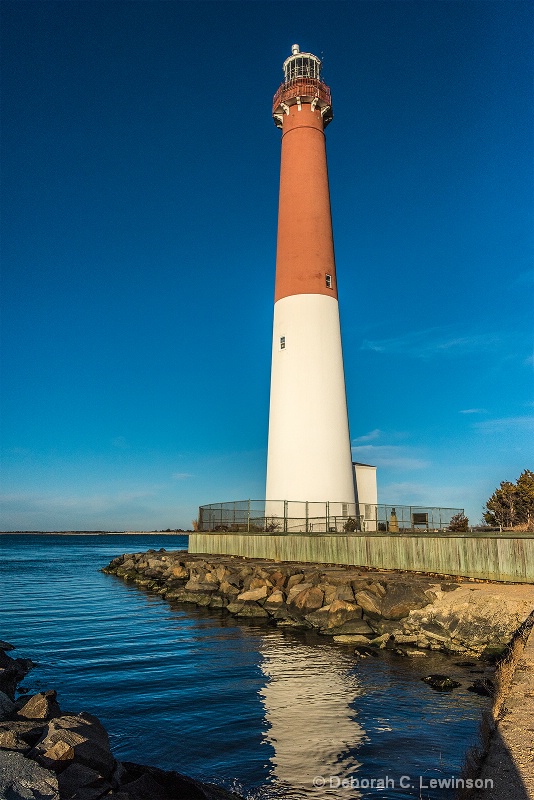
302, 66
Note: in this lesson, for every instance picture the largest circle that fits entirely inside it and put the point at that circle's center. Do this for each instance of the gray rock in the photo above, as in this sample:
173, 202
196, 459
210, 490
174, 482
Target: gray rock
441, 683
5, 646
370, 603
23, 779
20, 735
85, 735
76, 777
401, 598
7, 707
344, 592
341, 612
251, 609
319, 618
150, 783
359, 626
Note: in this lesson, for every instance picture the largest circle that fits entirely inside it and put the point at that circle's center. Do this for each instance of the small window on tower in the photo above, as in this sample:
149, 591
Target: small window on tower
328, 281
282, 343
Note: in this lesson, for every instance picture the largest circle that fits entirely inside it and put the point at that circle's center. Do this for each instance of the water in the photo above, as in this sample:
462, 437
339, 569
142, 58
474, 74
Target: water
251, 707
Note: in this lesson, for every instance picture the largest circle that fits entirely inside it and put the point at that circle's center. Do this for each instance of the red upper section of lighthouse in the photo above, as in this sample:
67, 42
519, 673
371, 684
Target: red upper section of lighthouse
305, 261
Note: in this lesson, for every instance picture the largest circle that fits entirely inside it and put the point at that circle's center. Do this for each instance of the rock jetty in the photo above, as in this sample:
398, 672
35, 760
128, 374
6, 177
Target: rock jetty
50, 754
408, 612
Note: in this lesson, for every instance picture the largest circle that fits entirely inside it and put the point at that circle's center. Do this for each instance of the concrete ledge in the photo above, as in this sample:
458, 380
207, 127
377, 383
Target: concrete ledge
494, 557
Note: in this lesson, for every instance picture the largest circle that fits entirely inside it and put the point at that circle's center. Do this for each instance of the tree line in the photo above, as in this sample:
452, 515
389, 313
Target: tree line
512, 504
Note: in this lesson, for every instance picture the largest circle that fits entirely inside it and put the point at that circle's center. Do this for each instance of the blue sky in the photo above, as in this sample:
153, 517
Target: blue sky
139, 208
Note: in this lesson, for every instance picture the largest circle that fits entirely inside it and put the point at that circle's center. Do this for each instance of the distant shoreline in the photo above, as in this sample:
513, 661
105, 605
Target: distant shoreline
96, 533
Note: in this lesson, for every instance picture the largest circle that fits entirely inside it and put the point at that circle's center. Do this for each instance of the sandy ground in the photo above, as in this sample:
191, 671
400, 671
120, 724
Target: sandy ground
510, 759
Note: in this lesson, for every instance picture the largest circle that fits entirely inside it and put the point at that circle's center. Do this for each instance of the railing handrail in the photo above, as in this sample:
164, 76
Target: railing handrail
318, 89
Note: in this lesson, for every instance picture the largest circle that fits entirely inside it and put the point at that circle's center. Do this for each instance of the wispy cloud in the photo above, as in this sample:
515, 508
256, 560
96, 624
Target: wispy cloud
120, 442
368, 437
38, 501
181, 476
390, 456
473, 411
56, 511
505, 424
444, 341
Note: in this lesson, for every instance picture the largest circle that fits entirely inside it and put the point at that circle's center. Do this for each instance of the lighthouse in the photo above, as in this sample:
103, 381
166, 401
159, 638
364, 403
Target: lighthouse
309, 455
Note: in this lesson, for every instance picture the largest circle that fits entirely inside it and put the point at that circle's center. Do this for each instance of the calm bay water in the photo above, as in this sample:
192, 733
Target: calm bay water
251, 707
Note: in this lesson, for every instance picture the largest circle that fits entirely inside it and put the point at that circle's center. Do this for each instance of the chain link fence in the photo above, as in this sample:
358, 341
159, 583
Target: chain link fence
293, 516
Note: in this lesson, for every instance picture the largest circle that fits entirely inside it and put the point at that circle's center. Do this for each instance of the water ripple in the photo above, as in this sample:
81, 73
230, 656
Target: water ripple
258, 709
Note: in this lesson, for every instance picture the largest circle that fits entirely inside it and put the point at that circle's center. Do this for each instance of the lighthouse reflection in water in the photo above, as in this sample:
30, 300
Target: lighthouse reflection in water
312, 725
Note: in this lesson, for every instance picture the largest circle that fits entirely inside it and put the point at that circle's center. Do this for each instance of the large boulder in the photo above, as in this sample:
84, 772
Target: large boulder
255, 593
319, 619
401, 598
84, 735
77, 777
278, 579
11, 674
41, 706
330, 593
243, 608
344, 592
309, 600
228, 589
179, 572
296, 590
293, 580
370, 603
194, 585
341, 612
472, 618
151, 783
275, 600
20, 735
24, 779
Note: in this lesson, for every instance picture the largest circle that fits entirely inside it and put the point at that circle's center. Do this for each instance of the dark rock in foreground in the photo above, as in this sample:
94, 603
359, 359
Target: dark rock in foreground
48, 754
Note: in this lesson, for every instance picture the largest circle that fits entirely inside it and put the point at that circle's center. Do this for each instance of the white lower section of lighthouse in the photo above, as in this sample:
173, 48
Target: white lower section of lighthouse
309, 455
